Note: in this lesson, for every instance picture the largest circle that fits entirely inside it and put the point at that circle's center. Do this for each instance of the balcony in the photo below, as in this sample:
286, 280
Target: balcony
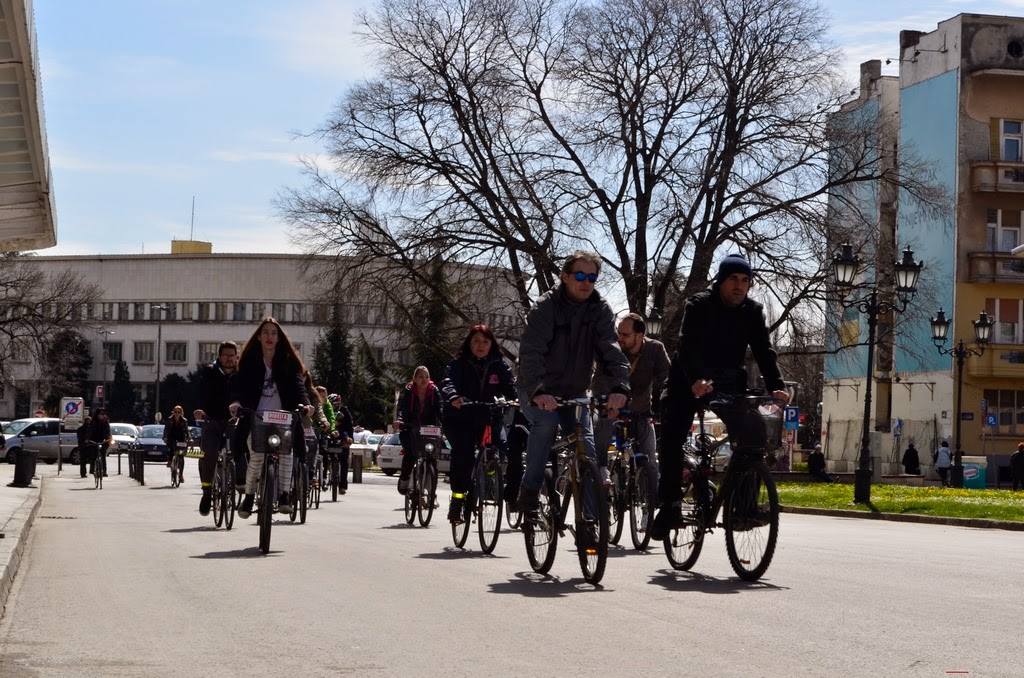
997, 176
994, 267
998, 361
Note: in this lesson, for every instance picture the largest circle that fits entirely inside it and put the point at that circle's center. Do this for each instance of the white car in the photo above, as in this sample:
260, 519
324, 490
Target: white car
124, 436
389, 456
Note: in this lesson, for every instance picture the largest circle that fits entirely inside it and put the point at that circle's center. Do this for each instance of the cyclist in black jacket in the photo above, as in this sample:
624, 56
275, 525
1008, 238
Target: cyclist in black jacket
718, 326
214, 398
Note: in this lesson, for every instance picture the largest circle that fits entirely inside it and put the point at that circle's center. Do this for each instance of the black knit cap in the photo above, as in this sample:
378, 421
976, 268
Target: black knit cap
734, 263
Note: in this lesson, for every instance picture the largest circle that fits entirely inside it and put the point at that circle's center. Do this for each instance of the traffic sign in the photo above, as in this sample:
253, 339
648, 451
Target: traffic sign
897, 428
792, 418
72, 412
991, 420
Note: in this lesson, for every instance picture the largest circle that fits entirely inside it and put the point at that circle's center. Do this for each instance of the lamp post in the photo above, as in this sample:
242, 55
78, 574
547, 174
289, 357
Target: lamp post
159, 341
106, 361
845, 266
654, 322
982, 335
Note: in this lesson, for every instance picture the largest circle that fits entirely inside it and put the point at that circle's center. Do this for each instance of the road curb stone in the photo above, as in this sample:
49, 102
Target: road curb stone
909, 518
12, 546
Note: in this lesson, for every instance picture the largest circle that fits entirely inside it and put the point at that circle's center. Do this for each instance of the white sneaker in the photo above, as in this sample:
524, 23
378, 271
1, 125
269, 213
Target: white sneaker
606, 477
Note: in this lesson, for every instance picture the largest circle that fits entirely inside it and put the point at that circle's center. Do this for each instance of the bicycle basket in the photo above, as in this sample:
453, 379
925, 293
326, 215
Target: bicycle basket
772, 415
271, 422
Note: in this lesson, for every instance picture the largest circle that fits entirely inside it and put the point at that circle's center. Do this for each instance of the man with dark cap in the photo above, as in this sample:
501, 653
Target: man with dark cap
718, 326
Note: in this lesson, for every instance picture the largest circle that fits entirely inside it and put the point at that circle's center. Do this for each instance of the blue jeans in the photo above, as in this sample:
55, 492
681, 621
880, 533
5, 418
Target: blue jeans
543, 431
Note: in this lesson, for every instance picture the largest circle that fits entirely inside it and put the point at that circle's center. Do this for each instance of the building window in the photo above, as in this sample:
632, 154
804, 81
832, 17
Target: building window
1008, 406
1003, 230
20, 352
360, 315
177, 352
188, 310
112, 351
321, 314
208, 352
238, 311
143, 352
279, 312
259, 311
204, 311
1006, 313
1013, 135
108, 311
298, 313
220, 311
139, 311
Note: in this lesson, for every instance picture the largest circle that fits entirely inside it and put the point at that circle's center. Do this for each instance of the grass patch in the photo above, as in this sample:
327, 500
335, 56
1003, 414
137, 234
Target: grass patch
927, 501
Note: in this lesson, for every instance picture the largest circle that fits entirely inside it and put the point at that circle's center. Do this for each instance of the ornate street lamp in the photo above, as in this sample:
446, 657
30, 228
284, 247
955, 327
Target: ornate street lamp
982, 336
654, 322
845, 267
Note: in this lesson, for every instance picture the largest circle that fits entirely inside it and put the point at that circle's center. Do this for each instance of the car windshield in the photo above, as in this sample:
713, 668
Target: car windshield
393, 440
152, 431
15, 427
373, 440
123, 430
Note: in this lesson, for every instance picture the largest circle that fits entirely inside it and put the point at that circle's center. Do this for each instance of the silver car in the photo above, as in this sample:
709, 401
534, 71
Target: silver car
389, 455
42, 436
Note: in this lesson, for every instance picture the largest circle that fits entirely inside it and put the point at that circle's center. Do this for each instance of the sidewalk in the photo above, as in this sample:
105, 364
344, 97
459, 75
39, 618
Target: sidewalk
18, 508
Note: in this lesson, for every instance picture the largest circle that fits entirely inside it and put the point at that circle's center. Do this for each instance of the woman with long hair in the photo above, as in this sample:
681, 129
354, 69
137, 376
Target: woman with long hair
269, 378
419, 405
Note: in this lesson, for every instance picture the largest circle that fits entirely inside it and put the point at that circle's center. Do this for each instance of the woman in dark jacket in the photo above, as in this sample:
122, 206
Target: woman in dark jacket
269, 377
478, 374
419, 405
99, 436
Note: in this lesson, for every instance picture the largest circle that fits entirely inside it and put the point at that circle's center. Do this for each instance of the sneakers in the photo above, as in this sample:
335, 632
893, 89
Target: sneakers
403, 485
455, 511
529, 500
284, 503
606, 477
204, 503
245, 509
669, 516
168, 463
342, 490
181, 477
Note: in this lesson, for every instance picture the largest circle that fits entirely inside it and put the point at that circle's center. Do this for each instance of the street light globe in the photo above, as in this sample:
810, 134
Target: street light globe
940, 328
983, 329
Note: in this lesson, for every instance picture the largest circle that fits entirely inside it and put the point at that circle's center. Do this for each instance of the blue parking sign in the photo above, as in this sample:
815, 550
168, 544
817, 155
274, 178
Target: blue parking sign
990, 420
792, 418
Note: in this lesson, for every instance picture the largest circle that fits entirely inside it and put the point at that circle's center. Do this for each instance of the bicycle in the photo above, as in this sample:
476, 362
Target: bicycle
632, 474
223, 490
300, 481
271, 433
578, 479
747, 494
99, 466
332, 468
421, 495
485, 500
318, 477
178, 462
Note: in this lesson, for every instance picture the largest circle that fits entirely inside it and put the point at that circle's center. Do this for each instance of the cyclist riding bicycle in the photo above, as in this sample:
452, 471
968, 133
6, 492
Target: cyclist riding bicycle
568, 329
419, 405
176, 431
478, 374
269, 378
214, 398
340, 439
718, 326
100, 440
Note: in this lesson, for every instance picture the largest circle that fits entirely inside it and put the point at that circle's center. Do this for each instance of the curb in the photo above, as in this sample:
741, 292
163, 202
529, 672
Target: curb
983, 523
12, 546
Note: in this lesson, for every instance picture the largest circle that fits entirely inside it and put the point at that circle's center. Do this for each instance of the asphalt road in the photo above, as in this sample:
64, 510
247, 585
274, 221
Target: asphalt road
131, 581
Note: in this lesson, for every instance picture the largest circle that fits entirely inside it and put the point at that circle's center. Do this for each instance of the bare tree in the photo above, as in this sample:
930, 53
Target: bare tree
507, 133
35, 307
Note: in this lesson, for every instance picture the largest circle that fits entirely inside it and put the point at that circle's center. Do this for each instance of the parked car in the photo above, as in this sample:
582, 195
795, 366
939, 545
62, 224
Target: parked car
124, 436
389, 456
151, 442
43, 436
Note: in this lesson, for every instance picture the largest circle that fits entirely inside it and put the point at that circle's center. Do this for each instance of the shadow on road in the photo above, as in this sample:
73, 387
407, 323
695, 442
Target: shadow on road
197, 528
251, 552
452, 553
533, 585
677, 580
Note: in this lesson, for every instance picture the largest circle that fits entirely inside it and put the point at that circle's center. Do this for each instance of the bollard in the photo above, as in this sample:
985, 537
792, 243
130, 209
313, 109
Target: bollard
356, 462
24, 468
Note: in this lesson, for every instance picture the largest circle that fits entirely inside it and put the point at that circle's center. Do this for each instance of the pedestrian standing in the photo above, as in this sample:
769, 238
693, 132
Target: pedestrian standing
943, 459
1017, 467
911, 461
84, 449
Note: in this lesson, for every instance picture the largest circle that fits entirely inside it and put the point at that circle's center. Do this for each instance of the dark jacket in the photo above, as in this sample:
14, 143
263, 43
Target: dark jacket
1017, 464
561, 343
713, 343
410, 408
911, 461
647, 374
215, 392
246, 387
99, 431
343, 422
82, 432
477, 380
175, 431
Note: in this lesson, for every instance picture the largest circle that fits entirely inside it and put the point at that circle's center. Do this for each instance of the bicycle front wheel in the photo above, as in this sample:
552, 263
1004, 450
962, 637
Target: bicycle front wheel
428, 495
489, 505
301, 493
460, 529
540, 528
175, 471
296, 480
228, 493
412, 496
335, 471
266, 517
751, 521
314, 489
217, 496
641, 505
616, 497
591, 523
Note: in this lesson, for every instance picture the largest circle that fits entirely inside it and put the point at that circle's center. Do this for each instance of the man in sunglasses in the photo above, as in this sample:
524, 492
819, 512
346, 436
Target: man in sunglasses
569, 329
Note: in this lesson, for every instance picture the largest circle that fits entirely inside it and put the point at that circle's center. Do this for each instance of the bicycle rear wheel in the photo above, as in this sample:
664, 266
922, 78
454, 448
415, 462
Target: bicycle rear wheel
412, 495
460, 530
641, 505
217, 496
314, 489
616, 498
540, 528
513, 516
683, 544
489, 504
266, 517
751, 521
301, 493
335, 472
296, 480
228, 493
428, 495
591, 523
175, 470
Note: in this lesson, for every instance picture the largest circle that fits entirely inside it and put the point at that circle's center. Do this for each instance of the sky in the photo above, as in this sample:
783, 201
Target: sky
151, 104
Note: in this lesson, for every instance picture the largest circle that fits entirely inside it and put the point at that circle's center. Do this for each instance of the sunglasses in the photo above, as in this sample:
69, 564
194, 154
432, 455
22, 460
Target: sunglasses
581, 276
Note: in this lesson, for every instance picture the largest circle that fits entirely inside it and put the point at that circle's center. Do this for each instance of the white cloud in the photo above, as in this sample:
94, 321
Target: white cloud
69, 162
282, 157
